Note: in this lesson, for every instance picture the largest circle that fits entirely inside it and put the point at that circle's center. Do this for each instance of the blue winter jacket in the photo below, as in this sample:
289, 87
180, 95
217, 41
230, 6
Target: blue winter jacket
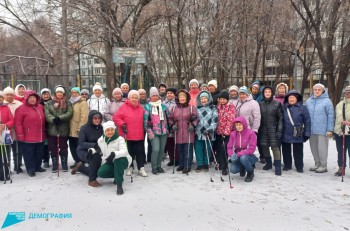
321, 113
300, 116
258, 97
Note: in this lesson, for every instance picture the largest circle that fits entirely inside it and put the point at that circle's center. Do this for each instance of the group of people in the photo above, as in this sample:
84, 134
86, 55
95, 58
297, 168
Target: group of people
222, 127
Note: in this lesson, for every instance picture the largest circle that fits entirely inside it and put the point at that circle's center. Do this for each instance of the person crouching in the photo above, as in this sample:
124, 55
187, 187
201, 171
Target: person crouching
116, 156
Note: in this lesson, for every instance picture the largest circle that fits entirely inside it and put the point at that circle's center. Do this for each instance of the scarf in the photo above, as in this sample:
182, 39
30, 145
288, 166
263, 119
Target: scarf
114, 137
74, 100
155, 111
59, 103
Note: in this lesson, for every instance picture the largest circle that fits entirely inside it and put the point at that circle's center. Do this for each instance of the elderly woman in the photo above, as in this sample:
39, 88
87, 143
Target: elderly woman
80, 117
115, 104
342, 131
125, 90
84, 93
30, 131
98, 101
233, 91
20, 92
129, 119
321, 112
296, 130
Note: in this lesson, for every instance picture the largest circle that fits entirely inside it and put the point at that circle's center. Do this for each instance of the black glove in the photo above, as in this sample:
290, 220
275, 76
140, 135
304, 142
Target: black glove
174, 128
110, 158
205, 132
306, 138
190, 128
97, 149
193, 118
125, 130
57, 121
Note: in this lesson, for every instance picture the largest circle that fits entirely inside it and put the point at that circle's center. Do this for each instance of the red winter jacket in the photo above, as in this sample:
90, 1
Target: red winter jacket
30, 121
6, 116
132, 116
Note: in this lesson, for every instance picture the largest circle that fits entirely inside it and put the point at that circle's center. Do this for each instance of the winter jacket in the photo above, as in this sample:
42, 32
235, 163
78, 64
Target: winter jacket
194, 94
215, 96
152, 123
226, 116
98, 103
118, 146
169, 104
132, 116
257, 97
79, 118
6, 117
13, 107
112, 108
180, 117
89, 134
339, 115
278, 97
300, 116
207, 118
64, 114
321, 114
271, 124
30, 121
243, 142
250, 109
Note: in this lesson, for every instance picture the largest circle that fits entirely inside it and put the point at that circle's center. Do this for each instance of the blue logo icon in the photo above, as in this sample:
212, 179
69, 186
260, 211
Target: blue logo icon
13, 218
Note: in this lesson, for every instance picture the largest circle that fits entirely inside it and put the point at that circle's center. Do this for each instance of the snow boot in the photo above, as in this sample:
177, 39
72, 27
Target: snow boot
54, 165
205, 168
316, 166
199, 168
120, 190
278, 170
160, 170
224, 172
129, 171
76, 168
339, 172
142, 172
64, 163
268, 165
242, 172
250, 176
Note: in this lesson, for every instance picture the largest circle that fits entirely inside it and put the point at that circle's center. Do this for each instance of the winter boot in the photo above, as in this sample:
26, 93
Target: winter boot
268, 165
339, 172
54, 165
321, 169
46, 165
120, 190
278, 170
76, 168
17, 169
313, 168
170, 163
160, 170
142, 172
250, 176
205, 168
199, 168
129, 171
242, 172
224, 171
64, 164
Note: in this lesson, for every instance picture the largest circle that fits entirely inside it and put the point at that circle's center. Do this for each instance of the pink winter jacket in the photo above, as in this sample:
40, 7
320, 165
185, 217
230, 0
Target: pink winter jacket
242, 143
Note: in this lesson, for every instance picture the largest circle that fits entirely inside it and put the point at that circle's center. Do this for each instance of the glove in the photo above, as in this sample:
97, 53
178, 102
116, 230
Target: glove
110, 158
97, 149
190, 128
150, 135
193, 118
205, 132
125, 130
306, 138
57, 120
174, 128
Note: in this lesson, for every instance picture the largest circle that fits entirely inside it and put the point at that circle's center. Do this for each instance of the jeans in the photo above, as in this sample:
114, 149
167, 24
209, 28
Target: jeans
339, 143
247, 162
185, 155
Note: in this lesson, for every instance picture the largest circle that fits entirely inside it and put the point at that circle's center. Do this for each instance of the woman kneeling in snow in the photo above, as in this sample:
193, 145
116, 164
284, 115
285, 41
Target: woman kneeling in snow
240, 149
114, 151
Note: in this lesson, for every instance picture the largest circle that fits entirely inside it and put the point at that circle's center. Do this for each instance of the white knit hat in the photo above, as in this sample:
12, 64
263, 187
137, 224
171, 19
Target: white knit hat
8, 90
133, 92
153, 91
233, 87
108, 124
124, 84
194, 81
97, 87
214, 83
318, 85
60, 89
45, 90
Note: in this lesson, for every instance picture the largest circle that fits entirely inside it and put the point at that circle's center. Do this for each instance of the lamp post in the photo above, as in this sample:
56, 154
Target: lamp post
295, 71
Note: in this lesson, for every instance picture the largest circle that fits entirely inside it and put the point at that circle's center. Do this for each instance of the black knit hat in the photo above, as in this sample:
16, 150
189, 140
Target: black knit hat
162, 85
224, 94
172, 89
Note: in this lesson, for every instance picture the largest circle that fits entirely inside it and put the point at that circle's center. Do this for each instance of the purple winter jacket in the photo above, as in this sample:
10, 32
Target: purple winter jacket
112, 108
242, 143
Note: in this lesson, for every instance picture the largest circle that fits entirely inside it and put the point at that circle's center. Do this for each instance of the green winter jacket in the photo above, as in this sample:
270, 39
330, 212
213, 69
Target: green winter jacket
64, 114
339, 115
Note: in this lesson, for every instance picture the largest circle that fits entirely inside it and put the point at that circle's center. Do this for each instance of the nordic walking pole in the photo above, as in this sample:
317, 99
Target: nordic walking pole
226, 157
174, 152
7, 163
3, 162
206, 150
216, 163
188, 151
343, 157
17, 158
58, 150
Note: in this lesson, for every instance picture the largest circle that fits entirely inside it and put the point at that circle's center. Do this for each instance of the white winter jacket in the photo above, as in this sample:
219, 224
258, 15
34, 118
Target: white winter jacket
100, 104
117, 146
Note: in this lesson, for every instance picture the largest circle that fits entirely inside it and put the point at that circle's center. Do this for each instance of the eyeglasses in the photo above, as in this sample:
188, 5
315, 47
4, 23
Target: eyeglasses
84, 94
97, 118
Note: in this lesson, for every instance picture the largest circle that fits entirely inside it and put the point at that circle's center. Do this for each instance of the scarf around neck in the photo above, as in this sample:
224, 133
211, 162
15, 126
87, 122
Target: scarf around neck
74, 100
59, 103
155, 111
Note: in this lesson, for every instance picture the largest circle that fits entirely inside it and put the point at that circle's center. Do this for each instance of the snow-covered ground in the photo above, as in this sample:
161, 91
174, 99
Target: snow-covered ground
293, 201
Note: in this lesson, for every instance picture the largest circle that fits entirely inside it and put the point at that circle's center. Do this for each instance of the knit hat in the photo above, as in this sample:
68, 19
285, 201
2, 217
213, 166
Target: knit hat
224, 94
85, 91
117, 90
133, 92
233, 87
77, 89
97, 86
204, 85
319, 85
213, 82
204, 94
124, 84
8, 90
60, 88
162, 85
193, 81
142, 91
172, 89
347, 89
108, 124
244, 90
153, 91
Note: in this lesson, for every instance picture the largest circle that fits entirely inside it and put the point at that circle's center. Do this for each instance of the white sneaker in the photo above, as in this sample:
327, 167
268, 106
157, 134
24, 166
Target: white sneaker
129, 171
321, 169
142, 172
314, 167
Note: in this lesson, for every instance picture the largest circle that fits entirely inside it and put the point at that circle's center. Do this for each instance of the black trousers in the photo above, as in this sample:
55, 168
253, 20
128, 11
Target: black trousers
136, 150
221, 150
91, 170
73, 145
298, 155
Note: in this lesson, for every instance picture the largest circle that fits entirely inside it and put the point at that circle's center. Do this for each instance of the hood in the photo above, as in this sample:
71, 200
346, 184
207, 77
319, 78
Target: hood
272, 92
242, 120
20, 85
91, 114
198, 99
29, 93
324, 95
299, 97
249, 97
256, 82
285, 85
187, 94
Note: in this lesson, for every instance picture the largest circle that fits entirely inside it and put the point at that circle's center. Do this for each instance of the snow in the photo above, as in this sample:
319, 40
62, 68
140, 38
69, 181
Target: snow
293, 201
